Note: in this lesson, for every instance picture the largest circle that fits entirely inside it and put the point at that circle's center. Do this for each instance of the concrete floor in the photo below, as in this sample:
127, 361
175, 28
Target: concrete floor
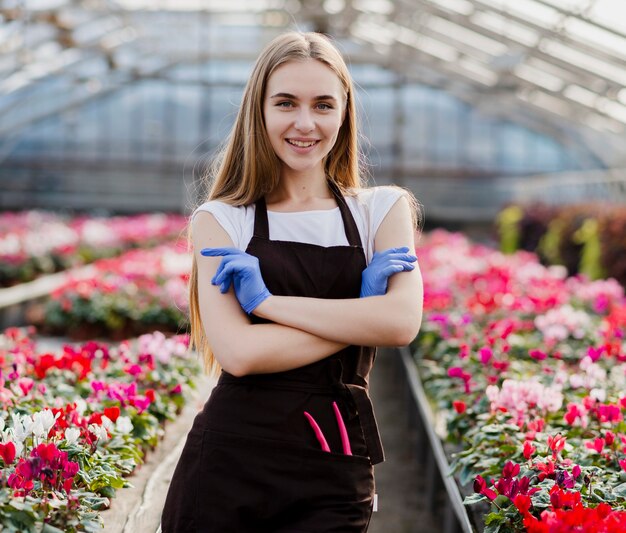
401, 507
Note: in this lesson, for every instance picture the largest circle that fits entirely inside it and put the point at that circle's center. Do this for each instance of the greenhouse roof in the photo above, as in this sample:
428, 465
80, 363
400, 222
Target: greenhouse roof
555, 65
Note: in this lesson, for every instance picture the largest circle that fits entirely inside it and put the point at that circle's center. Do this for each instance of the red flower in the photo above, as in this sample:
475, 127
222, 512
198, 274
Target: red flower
459, 407
529, 449
546, 469
112, 413
480, 486
556, 444
510, 469
573, 412
47, 452
523, 503
562, 498
7, 451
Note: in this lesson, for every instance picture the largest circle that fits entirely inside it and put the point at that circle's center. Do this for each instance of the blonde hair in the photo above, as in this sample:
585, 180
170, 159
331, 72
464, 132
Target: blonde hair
246, 168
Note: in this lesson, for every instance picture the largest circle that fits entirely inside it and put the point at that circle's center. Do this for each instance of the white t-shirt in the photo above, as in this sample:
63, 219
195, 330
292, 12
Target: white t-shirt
322, 227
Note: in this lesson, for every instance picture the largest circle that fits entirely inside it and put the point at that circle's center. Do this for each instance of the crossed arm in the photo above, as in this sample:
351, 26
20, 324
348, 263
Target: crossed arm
305, 330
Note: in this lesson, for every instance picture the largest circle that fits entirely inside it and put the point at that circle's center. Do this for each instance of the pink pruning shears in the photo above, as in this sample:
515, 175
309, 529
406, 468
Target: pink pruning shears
343, 432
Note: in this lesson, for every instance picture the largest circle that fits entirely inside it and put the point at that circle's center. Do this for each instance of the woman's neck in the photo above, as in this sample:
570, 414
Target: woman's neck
301, 192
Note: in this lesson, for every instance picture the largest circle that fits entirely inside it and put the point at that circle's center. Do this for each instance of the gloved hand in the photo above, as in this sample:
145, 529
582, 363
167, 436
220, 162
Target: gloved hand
382, 266
242, 270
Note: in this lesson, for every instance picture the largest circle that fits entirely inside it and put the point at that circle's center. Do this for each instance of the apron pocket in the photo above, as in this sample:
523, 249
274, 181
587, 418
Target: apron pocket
247, 481
287, 448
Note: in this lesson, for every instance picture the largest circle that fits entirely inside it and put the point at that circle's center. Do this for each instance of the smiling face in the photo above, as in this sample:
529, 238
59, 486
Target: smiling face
303, 110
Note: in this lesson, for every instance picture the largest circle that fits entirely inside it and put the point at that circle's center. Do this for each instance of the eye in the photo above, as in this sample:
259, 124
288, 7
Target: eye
284, 103
324, 106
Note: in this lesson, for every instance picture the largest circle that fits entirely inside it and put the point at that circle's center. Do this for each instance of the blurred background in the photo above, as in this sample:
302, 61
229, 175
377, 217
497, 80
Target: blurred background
118, 105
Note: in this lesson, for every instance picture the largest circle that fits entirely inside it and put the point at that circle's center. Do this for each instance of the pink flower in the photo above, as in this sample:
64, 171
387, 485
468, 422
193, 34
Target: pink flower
458, 372
573, 412
622, 463
595, 353
596, 444
486, 354
537, 354
26, 384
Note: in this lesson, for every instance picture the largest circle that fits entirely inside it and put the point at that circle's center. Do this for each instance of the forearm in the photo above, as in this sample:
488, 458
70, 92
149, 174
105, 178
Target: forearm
389, 320
266, 348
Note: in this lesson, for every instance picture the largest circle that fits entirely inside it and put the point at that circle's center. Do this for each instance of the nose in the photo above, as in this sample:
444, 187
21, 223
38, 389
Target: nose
304, 120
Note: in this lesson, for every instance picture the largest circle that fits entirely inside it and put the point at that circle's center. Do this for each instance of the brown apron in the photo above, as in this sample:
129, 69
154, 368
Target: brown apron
252, 462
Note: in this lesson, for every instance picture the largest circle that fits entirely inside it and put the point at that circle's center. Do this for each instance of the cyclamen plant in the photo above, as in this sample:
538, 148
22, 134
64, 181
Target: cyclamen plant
39, 242
69, 439
539, 361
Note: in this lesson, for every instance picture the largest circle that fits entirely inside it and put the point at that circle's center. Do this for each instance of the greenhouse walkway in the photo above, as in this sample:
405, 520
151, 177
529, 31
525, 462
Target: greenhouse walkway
401, 507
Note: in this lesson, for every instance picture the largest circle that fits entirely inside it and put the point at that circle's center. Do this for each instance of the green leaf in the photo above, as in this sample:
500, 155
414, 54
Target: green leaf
466, 475
620, 490
107, 491
47, 528
473, 499
493, 518
493, 528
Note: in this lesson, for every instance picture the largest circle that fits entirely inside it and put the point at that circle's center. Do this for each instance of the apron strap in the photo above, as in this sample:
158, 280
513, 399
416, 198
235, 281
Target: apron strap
349, 225
261, 226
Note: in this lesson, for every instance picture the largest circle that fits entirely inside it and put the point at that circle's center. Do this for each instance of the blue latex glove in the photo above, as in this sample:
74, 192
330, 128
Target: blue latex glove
242, 270
382, 266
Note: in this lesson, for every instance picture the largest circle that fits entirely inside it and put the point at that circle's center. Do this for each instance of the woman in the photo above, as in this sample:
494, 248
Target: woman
293, 281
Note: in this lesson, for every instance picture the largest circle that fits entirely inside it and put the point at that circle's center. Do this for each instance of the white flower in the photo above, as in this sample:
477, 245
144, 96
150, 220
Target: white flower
99, 432
598, 394
2, 424
576, 381
81, 406
71, 435
124, 425
22, 426
43, 422
107, 423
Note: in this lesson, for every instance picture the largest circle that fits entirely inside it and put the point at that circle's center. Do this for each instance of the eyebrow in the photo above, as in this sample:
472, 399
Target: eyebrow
293, 97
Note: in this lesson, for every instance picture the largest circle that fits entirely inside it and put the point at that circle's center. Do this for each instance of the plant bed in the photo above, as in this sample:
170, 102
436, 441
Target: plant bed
35, 243
135, 293
525, 372
76, 422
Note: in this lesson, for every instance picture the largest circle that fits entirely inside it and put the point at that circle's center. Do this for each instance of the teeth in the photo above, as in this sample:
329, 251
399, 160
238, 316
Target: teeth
301, 144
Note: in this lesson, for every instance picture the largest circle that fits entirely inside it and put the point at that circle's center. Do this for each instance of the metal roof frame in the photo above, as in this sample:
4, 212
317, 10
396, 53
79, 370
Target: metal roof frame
538, 73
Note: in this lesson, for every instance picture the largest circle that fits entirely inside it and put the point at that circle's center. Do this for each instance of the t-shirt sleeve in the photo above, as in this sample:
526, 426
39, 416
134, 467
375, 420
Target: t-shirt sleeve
380, 202
227, 216
370, 207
